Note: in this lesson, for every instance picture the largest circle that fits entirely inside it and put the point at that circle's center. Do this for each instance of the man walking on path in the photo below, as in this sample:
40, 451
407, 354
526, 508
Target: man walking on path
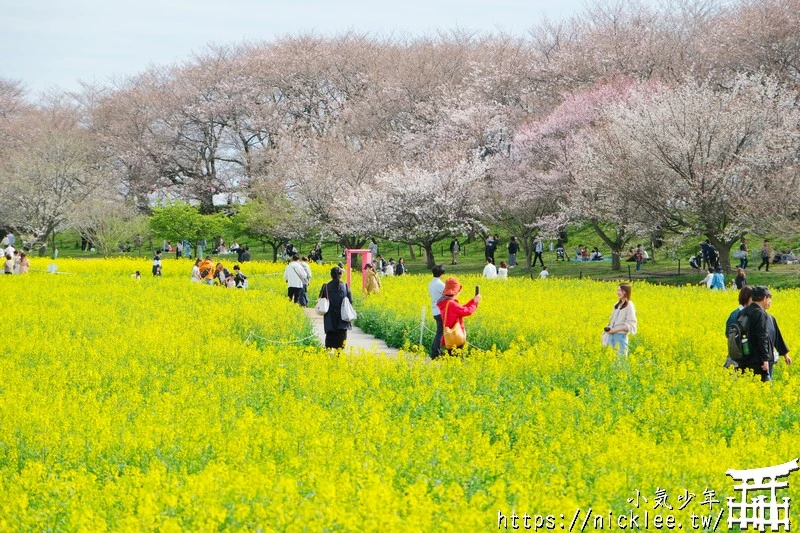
295, 276
435, 288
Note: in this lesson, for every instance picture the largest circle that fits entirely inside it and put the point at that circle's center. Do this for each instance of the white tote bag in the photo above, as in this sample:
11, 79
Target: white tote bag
348, 313
323, 304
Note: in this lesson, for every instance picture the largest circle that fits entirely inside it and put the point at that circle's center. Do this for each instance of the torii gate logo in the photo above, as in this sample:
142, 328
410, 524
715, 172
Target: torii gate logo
758, 512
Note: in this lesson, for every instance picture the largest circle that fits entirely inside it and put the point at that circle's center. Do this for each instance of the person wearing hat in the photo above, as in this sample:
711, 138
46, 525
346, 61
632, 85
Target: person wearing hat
763, 335
453, 312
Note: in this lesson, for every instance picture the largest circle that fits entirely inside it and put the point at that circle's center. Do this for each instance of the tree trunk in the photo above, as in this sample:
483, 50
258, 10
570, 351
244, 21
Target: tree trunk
206, 204
617, 244
616, 264
528, 249
428, 246
411, 254
274, 246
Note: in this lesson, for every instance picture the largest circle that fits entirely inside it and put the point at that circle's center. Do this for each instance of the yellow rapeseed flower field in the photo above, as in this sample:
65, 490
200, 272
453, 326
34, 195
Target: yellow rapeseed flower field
130, 405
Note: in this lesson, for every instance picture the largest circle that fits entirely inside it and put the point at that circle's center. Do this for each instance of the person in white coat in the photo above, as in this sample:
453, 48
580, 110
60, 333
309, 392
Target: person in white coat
489, 271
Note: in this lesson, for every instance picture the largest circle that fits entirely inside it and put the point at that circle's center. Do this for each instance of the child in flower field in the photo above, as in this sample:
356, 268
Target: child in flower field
239, 278
157, 264
623, 321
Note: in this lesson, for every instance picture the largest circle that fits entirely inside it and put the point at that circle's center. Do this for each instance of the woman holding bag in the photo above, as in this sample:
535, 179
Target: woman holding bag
336, 292
453, 313
623, 321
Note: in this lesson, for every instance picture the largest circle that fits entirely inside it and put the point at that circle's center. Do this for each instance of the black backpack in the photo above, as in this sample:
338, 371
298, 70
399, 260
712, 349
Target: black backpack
738, 343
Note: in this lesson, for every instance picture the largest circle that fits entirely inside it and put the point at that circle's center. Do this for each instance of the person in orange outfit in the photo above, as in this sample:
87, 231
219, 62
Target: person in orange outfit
452, 311
207, 270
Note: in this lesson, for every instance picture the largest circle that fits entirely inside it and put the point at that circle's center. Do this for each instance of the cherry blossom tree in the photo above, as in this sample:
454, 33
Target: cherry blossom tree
710, 160
550, 158
423, 207
51, 165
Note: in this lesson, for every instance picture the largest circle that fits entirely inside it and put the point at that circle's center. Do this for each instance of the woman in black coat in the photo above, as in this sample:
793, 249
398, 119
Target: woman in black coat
335, 327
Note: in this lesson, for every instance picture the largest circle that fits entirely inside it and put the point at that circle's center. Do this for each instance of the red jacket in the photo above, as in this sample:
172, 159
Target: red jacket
453, 312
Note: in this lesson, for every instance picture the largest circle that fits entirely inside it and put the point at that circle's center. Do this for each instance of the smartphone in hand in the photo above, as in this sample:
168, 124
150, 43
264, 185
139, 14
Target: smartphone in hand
477, 290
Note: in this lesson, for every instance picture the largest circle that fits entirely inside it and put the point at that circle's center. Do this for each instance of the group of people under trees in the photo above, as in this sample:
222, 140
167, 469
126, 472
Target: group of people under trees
14, 261
205, 271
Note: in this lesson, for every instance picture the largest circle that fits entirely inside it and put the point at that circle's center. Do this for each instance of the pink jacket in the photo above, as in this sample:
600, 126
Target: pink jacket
453, 312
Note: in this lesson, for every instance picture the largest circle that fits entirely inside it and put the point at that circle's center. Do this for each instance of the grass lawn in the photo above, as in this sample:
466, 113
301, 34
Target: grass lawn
661, 270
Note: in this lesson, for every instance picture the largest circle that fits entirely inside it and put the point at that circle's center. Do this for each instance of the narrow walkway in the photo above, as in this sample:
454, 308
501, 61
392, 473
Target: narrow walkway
358, 342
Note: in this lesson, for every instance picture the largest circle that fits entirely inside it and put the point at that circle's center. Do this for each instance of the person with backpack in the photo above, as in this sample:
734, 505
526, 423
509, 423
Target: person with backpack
745, 299
763, 336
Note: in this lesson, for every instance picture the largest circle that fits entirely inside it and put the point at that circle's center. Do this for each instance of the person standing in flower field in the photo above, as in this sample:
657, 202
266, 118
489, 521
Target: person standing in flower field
435, 289
745, 299
373, 282
400, 269
764, 336
623, 321
453, 312
304, 294
295, 276
489, 271
157, 264
24, 263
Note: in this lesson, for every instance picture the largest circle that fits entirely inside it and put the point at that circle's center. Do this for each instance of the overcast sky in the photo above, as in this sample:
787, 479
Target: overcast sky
46, 43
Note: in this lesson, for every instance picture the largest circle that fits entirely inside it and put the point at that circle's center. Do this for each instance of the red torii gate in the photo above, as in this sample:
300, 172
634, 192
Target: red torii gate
366, 259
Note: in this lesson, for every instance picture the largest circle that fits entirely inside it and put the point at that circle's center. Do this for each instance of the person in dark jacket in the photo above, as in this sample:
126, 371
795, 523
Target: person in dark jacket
745, 299
741, 278
335, 327
400, 268
763, 335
